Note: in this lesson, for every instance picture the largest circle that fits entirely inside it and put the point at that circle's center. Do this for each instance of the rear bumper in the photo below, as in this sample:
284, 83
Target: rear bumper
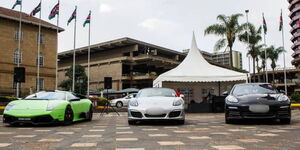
176, 114
38, 120
243, 112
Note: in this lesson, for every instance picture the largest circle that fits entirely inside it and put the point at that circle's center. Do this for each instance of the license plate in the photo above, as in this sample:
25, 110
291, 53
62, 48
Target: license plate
259, 108
24, 119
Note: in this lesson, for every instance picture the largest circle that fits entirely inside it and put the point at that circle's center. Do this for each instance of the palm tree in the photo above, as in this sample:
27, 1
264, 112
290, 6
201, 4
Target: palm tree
228, 28
261, 56
273, 55
253, 43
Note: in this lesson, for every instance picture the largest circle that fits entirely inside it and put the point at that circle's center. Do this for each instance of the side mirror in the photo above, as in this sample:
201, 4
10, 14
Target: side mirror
282, 91
181, 95
225, 93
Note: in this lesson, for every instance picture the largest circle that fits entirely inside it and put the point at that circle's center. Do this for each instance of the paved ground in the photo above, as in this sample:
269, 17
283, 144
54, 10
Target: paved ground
110, 132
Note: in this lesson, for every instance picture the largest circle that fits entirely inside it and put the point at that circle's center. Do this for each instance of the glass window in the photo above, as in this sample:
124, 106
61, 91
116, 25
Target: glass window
71, 96
18, 35
42, 38
156, 92
40, 84
41, 61
47, 96
17, 57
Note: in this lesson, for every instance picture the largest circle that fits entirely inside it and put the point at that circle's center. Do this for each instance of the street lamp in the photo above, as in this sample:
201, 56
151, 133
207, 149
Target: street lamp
247, 12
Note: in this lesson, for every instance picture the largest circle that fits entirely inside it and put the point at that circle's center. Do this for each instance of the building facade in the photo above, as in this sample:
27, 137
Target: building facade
130, 63
222, 58
295, 31
27, 54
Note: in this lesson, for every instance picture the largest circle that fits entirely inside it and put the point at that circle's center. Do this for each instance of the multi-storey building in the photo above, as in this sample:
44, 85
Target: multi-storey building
27, 54
130, 63
295, 31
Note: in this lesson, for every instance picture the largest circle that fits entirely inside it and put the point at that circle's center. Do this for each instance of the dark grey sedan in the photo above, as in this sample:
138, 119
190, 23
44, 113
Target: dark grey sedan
257, 101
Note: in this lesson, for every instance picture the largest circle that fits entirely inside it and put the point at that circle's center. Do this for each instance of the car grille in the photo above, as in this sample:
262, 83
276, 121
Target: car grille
158, 116
136, 114
174, 114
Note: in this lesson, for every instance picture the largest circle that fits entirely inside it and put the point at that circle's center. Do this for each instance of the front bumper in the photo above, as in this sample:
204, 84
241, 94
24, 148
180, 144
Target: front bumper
173, 114
37, 120
243, 112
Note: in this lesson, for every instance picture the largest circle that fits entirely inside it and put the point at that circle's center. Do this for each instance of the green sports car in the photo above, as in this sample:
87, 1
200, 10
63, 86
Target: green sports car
48, 107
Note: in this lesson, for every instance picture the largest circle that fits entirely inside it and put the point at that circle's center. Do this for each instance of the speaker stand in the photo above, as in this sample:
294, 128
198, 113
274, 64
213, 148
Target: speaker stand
107, 105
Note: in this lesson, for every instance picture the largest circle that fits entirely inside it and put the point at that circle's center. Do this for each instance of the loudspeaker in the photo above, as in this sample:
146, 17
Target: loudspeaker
19, 74
107, 82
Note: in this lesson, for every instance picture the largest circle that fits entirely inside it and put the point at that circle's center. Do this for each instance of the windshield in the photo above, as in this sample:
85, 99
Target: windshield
47, 96
247, 89
156, 92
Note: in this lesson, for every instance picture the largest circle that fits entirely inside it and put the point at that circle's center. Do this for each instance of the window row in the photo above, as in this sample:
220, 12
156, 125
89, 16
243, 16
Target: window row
18, 58
20, 35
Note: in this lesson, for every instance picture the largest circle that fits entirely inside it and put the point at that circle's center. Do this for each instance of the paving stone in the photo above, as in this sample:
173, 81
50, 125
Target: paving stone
182, 131
6, 133
150, 129
125, 132
50, 140
199, 137
170, 143
157, 135
84, 145
266, 134
5, 144
64, 133
171, 127
42, 130
122, 128
97, 130
228, 147
220, 133
250, 140
92, 136
237, 130
130, 148
126, 139
24, 136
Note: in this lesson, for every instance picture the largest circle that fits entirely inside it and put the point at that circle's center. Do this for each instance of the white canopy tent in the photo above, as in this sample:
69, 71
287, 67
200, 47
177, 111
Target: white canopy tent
195, 68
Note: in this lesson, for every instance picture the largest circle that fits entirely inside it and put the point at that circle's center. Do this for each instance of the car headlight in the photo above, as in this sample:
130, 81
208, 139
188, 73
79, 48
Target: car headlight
50, 107
232, 99
9, 106
134, 103
283, 98
177, 103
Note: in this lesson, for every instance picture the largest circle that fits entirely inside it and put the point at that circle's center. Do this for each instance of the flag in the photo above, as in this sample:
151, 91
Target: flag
265, 25
281, 22
54, 11
299, 22
18, 2
74, 14
36, 10
87, 20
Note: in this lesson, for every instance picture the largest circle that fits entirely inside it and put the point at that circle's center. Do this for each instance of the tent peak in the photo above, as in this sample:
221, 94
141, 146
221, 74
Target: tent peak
194, 43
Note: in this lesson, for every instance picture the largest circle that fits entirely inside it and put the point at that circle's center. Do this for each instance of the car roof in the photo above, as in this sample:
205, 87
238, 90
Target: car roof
252, 83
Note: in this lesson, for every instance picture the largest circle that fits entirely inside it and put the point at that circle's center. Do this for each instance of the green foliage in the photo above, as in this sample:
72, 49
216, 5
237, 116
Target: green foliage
7, 98
295, 97
80, 80
102, 101
228, 29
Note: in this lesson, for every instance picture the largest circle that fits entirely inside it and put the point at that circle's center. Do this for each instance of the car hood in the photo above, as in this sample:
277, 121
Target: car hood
32, 104
258, 98
147, 102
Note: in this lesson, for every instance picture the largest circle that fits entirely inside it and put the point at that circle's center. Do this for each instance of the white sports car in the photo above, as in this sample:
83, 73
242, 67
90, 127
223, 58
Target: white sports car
122, 102
156, 104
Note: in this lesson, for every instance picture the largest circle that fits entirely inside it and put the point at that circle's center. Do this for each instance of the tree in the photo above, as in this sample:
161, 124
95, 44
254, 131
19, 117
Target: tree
273, 55
80, 80
253, 43
228, 28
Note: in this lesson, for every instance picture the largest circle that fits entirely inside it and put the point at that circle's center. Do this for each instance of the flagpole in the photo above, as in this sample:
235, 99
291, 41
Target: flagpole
39, 49
284, 63
74, 52
89, 57
19, 47
57, 32
266, 58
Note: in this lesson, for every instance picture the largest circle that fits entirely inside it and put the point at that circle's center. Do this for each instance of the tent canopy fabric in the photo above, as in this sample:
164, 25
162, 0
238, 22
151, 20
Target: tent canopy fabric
194, 68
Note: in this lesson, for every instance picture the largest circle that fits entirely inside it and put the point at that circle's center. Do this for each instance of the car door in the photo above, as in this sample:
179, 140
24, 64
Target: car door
75, 104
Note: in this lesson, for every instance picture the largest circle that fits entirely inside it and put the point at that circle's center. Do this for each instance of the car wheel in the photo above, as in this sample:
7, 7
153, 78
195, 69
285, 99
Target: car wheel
68, 119
131, 122
119, 104
90, 114
285, 121
181, 122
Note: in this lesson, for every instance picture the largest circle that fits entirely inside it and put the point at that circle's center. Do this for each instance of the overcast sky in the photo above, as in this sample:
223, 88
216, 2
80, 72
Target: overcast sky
167, 23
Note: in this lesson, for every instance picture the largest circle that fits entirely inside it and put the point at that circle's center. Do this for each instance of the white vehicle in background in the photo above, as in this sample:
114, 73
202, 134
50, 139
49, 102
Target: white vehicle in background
122, 102
156, 104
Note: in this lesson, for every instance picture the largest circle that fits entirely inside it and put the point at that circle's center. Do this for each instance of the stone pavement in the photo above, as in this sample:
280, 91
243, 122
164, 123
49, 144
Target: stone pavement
111, 132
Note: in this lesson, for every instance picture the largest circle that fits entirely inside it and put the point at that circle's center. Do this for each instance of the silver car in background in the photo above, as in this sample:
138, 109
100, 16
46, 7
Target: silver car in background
156, 104
122, 102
